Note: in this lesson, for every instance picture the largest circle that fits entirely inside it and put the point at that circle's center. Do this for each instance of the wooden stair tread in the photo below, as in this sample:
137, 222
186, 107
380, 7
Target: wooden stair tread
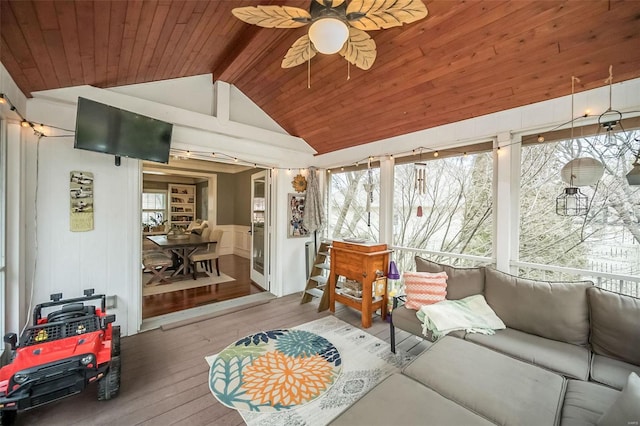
315, 292
319, 279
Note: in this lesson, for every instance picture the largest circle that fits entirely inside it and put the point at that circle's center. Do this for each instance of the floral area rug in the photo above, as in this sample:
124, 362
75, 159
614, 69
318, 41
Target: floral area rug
274, 370
358, 361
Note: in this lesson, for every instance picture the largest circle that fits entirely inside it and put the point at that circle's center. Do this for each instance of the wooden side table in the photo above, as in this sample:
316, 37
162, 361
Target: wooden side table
359, 262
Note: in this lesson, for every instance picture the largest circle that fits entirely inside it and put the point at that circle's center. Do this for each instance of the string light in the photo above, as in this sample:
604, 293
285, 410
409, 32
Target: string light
4, 100
435, 154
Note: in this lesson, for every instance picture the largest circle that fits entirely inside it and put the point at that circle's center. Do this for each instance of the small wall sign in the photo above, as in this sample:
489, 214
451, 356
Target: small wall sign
81, 196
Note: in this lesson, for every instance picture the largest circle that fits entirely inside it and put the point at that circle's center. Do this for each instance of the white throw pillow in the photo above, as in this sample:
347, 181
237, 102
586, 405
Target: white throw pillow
626, 408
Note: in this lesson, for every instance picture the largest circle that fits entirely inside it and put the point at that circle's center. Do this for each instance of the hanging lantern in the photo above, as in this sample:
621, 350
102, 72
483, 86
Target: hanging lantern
583, 171
633, 177
572, 202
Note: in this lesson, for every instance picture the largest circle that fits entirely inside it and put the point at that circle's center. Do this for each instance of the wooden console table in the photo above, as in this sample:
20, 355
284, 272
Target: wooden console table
359, 262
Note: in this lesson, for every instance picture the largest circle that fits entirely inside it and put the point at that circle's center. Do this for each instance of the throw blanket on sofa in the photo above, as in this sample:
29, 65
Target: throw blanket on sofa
471, 314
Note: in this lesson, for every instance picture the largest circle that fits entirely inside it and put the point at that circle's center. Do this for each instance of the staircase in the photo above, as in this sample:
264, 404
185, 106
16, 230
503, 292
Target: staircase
318, 278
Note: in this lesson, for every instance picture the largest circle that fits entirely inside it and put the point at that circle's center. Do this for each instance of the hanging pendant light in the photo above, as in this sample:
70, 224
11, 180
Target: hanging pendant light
572, 202
583, 171
633, 177
577, 172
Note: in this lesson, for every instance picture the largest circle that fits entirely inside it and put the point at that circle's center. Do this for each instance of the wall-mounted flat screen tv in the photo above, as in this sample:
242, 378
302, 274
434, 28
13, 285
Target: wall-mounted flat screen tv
111, 130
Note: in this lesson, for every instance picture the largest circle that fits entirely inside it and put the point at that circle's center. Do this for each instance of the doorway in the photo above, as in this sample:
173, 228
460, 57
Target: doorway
223, 195
259, 223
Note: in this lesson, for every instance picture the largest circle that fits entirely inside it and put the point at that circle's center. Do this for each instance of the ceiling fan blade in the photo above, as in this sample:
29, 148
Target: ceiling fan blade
360, 49
370, 15
273, 16
299, 53
334, 3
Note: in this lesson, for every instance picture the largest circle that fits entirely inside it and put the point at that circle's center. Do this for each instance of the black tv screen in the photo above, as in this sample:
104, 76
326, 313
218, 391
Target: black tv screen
111, 130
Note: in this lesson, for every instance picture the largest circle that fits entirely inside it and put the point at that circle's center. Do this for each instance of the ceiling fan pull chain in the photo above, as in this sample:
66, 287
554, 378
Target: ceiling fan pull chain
348, 70
309, 65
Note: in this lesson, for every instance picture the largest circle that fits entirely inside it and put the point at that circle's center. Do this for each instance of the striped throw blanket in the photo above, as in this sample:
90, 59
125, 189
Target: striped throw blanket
471, 314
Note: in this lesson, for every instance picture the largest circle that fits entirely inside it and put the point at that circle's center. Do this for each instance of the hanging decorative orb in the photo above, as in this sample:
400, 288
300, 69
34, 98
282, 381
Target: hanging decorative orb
583, 171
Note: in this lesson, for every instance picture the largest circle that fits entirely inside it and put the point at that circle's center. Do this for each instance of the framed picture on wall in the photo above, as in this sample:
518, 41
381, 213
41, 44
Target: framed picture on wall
296, 214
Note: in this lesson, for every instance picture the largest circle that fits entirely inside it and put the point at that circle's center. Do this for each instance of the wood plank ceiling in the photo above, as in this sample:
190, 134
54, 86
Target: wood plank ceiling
466, 59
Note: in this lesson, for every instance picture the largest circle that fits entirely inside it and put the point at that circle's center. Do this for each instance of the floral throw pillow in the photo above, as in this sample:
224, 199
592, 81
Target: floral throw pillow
424, 288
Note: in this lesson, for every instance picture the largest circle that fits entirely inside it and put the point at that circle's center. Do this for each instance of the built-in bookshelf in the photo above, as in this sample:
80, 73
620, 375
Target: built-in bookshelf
182, 205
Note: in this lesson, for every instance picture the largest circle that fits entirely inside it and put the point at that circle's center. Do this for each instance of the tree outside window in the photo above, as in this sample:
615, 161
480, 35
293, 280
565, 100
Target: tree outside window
354, 204
456, 208
607, 238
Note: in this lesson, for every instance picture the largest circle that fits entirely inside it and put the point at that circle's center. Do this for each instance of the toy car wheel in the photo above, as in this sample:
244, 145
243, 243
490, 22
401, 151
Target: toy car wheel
7, 417
115, 341
109, 385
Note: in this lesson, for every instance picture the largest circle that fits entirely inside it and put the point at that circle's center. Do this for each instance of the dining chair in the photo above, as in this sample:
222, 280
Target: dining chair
205, 256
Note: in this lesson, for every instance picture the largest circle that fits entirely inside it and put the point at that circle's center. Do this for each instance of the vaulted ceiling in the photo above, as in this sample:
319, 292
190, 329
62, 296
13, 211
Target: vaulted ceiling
466, 59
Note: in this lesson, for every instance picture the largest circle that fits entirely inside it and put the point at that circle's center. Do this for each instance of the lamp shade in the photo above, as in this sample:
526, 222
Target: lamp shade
393, 271
583, 171
633, 177
328, 35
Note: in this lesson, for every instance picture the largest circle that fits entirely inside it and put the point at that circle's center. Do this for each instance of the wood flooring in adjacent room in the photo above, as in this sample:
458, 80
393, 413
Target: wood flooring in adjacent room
232, 265
165, 375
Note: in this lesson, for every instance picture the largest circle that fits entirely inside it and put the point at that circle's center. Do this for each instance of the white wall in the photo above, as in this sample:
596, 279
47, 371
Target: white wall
14, 311
289, 257
106, 258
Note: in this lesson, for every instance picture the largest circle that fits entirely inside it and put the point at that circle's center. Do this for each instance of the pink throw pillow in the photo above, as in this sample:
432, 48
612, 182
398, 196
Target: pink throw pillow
424, 288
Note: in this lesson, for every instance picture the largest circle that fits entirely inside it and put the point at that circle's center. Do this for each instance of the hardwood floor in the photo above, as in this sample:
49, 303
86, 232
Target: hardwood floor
164, 374
234, 266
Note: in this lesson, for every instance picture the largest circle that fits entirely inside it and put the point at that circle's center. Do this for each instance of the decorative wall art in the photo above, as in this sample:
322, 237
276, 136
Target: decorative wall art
81, 194
296, 215
299, 183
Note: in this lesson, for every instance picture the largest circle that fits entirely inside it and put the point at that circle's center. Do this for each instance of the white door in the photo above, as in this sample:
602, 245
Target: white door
259, 229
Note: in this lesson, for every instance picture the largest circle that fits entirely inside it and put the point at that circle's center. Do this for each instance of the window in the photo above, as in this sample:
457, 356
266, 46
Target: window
454, 212
607, 238
354, 204
154, 210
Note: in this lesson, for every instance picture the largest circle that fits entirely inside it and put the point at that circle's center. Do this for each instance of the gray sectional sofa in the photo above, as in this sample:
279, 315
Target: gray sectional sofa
565, 358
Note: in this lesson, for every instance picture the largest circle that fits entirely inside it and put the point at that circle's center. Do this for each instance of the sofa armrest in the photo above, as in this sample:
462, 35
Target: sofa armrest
399, 299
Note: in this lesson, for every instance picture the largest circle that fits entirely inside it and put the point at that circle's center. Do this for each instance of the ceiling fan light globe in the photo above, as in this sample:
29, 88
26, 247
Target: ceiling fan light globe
328, 35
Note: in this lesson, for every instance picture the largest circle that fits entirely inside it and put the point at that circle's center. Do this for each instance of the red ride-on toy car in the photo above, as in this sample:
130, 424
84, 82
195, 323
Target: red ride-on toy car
60, 354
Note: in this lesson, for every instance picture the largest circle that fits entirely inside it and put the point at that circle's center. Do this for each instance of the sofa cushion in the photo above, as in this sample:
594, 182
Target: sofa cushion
399, 400
555, 310
499, 388
564, 358
585, 403
626, 408
406, 319
611, 372
461, 282
424, 288
615, 329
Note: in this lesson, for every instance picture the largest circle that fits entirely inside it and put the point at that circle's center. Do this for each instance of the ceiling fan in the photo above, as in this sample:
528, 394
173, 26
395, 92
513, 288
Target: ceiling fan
337, 26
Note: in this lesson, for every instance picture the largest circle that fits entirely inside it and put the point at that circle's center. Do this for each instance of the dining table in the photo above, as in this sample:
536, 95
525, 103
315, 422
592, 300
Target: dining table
181, 247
